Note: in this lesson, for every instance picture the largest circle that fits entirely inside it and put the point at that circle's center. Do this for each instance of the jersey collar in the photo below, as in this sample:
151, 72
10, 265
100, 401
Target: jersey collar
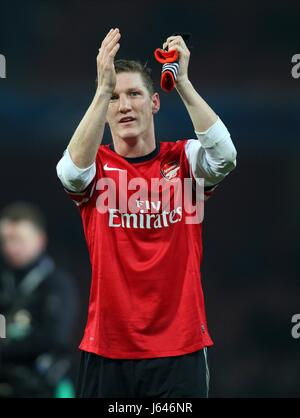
146, 157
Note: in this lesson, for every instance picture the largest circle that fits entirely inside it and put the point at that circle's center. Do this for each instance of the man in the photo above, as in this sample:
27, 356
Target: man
146, 334
39, 302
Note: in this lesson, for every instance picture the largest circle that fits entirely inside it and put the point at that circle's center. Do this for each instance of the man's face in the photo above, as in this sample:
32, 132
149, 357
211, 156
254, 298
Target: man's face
130, 111
21, 242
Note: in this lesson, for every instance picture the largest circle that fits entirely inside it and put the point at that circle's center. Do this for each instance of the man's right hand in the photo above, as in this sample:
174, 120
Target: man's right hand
105, 61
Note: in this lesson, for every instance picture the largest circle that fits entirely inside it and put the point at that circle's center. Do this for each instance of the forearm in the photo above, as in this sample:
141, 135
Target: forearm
87, 138
202, 116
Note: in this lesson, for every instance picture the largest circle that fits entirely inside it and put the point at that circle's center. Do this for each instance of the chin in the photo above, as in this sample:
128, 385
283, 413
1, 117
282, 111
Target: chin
130, 134
16, 263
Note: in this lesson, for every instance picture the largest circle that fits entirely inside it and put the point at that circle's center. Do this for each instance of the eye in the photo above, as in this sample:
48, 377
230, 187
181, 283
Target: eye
114, 97
134, 93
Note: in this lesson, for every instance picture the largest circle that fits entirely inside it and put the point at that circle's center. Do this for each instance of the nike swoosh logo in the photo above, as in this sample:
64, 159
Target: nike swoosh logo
111, 168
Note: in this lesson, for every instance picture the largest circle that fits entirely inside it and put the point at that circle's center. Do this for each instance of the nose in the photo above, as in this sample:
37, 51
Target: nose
124, 103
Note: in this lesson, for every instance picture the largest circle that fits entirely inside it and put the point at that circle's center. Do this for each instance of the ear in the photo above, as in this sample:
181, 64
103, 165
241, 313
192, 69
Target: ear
155, 103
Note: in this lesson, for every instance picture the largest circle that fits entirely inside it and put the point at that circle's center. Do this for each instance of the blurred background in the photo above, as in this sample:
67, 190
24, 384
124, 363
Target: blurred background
241, 64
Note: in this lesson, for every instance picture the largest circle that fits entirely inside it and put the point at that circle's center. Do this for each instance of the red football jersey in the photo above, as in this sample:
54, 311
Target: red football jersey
146, 297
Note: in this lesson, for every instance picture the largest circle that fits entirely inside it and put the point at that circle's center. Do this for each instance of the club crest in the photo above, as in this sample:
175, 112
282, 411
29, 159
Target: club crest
170, 170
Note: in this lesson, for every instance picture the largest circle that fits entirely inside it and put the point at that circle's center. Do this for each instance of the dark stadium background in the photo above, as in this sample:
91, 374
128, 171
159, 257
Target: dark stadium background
241, 64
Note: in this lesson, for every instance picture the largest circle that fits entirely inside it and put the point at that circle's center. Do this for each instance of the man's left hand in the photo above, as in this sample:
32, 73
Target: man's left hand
177, 43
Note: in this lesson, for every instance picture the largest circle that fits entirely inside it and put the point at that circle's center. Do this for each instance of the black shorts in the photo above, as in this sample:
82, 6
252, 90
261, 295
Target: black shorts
185, 376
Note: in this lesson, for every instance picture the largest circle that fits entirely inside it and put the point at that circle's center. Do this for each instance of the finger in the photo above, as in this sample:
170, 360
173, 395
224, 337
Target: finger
104, 50
174, 48
175, 44
171, 38
113, 42
106, 37
177, 39
177, 48
113, 52
109, 36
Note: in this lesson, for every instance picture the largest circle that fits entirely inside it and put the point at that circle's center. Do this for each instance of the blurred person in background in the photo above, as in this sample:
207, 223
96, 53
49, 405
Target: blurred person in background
39, 302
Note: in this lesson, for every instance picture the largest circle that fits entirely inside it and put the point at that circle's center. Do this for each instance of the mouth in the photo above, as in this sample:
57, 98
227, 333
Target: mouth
127, 119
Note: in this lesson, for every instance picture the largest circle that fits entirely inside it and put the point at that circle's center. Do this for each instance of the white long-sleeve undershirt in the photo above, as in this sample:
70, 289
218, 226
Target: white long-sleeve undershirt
211, 157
